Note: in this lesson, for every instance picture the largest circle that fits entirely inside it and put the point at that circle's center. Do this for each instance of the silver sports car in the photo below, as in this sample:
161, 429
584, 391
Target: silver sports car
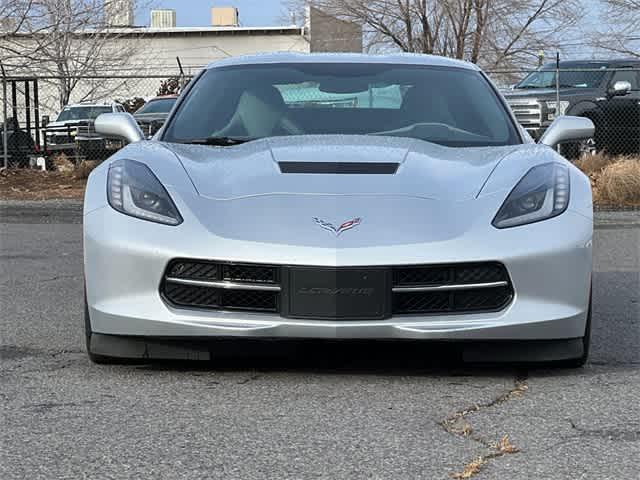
339, 197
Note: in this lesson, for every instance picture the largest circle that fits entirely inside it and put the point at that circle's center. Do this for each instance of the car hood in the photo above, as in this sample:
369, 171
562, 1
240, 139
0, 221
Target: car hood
68, 122
424, 169
547, 93
150, 117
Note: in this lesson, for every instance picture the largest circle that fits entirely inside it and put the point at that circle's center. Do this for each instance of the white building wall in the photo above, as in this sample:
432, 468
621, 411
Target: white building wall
159, 53
156, 57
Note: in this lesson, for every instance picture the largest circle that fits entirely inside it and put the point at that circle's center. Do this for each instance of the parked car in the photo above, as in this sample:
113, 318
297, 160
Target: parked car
428, 217
74, 129
20, 144
152, 115
605, 91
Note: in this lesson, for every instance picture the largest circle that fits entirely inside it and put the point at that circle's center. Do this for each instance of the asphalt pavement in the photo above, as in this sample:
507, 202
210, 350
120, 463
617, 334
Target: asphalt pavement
307, 410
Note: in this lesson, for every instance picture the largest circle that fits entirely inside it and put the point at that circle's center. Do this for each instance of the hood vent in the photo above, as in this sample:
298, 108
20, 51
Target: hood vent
346, 168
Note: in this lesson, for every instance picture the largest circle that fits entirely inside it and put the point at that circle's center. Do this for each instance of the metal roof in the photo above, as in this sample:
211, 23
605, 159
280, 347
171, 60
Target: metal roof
395, 58
180, 31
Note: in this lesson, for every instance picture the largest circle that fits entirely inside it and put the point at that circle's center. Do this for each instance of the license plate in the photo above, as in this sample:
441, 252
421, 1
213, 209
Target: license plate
344, 293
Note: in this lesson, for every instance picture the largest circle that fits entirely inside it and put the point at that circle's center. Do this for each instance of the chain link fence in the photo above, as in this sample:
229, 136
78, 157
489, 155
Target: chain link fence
50, 120
610, 97
42, 123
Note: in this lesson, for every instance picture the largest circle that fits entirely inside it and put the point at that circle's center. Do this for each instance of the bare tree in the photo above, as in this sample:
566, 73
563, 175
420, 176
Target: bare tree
69, 41
620, 33
17, 16
493, 33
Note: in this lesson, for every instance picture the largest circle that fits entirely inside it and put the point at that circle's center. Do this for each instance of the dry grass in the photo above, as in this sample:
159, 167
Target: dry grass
62, 163
614, 180
619, 183
594, 164
470, 469
24, 184
505, 446
83, 170
500, 448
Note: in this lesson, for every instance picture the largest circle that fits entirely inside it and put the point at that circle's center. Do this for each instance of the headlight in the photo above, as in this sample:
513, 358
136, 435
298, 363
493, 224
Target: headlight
541, 194
553, 112
134, 190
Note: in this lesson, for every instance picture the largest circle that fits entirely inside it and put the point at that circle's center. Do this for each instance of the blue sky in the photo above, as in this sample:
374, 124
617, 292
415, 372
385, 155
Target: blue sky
195, 13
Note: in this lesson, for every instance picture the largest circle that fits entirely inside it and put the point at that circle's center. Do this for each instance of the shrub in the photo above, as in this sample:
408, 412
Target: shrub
83, 170
594, 164
131, 105
619, 182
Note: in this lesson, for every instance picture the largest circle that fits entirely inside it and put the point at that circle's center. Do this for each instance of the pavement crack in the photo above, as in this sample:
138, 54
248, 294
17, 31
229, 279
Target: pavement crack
458, 425
60, 277
613, 434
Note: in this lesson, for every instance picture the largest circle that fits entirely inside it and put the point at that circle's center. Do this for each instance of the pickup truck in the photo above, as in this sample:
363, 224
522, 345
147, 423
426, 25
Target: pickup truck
152, 115
605, 91
73, 131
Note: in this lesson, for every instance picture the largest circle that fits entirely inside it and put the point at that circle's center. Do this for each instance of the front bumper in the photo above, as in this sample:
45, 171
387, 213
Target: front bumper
549, 264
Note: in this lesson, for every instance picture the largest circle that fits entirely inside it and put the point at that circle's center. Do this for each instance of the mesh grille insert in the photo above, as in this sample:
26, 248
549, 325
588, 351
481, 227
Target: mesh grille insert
192, 296
422, 302
481, 299
194, 270
214, 296
455, 300
249, 273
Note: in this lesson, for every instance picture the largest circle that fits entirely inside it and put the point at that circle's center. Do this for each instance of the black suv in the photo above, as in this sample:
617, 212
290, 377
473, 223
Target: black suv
607, 92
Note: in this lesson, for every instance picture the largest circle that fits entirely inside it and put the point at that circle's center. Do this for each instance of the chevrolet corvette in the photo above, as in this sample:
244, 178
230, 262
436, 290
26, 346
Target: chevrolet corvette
339, 196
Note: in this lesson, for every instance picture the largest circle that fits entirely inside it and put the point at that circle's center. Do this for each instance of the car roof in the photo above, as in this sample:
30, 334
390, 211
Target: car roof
394, 58
89, 104
581, 63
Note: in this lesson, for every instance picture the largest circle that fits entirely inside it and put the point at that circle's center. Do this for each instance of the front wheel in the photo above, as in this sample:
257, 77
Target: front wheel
575, 150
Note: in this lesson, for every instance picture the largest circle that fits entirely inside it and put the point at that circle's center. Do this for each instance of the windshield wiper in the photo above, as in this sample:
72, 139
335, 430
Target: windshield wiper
533, 87
219, 141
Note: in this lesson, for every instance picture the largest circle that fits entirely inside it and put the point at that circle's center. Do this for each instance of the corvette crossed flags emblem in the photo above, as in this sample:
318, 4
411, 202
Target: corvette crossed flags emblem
348, 225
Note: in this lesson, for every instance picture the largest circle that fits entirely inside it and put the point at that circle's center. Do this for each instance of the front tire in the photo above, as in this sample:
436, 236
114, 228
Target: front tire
575, 150
95, 358
586, 343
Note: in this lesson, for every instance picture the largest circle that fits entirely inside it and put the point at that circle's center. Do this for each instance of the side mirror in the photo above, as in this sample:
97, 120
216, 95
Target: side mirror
568, 129
45, 121
119, 125
620, 89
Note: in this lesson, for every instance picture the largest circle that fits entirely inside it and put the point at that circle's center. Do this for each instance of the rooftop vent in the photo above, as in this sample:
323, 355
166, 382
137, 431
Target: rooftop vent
224, 17
163, 18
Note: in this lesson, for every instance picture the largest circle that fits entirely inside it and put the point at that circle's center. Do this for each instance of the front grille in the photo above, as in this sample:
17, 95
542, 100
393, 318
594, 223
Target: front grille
59, 139
528, 112
250, 273
223, 286
466, 287
411, 290
194, 270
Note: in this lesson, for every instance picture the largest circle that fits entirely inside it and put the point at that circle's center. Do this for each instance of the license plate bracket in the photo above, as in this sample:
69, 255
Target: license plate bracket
337, 293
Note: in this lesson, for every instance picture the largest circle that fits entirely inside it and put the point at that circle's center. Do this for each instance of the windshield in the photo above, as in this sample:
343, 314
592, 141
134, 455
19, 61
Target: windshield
573, 78
81, 113
161, 105
448, 106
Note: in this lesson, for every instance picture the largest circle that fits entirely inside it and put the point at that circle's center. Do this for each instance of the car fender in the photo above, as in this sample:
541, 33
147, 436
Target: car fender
585, 108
